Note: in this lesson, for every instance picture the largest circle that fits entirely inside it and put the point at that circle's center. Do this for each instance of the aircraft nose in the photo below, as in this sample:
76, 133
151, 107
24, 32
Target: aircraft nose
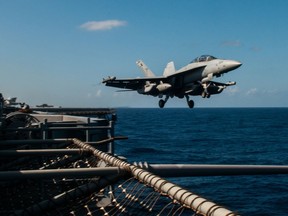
232, 64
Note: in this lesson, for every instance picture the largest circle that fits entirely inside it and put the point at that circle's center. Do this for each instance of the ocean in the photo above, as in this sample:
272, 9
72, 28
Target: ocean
214, 136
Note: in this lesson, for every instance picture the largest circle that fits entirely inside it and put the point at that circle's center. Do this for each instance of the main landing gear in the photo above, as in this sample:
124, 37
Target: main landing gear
162, 102
189, 102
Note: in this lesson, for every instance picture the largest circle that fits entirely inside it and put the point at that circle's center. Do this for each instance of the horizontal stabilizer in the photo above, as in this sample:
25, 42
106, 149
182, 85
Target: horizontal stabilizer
169, 70
125, 90
147, 72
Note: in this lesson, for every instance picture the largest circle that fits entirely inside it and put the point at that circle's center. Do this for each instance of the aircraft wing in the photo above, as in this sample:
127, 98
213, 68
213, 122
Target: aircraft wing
131, 83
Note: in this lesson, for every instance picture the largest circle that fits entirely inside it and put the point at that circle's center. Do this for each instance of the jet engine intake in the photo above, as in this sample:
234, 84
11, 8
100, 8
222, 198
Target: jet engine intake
208, 78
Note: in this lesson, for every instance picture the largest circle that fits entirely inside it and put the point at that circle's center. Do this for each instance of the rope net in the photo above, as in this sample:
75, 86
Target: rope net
127, 193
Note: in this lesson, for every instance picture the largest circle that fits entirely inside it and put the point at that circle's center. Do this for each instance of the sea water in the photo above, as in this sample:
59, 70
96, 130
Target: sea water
214, 136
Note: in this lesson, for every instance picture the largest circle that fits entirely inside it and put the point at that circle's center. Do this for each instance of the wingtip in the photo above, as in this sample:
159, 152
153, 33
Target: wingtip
108, 79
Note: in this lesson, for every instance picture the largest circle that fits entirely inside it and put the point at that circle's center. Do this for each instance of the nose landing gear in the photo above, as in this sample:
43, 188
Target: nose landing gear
205, 93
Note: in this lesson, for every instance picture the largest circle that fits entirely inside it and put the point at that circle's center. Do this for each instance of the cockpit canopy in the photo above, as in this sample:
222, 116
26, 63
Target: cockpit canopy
203, 58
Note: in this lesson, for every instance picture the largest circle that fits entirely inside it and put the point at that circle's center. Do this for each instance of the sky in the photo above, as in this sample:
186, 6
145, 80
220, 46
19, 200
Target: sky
58, 51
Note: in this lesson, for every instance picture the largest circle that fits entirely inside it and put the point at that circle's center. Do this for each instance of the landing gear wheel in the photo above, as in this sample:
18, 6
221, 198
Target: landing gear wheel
161, 103
203, 94
191, 104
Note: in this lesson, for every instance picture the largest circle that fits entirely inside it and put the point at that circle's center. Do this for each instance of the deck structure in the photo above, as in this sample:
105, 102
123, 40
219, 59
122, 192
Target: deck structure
63, 162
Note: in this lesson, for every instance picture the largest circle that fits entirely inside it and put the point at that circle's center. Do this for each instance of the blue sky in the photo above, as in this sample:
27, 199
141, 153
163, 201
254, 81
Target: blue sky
58, 52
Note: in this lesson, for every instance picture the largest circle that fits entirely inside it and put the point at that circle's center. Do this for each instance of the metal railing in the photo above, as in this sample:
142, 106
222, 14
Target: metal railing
183, 197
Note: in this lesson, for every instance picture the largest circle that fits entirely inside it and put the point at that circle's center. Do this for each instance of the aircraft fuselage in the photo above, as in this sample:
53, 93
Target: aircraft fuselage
196, 71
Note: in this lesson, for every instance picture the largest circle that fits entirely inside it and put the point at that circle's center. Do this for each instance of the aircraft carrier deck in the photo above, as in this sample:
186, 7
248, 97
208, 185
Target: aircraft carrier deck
62, 161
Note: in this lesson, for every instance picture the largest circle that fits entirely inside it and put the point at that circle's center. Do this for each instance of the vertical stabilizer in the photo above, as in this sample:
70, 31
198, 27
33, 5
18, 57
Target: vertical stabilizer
169, 70
145, 69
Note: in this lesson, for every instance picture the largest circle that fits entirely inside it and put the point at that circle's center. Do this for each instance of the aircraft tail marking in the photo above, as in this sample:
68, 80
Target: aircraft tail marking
147, 72
169, 70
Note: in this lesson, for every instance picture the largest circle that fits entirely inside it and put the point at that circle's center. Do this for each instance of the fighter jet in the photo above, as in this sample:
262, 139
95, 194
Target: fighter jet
191, 80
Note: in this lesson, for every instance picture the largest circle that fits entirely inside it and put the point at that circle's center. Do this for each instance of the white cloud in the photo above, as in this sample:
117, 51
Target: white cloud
232, 43
102, 25
99, 93
256, 49
252, 91
232, 90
